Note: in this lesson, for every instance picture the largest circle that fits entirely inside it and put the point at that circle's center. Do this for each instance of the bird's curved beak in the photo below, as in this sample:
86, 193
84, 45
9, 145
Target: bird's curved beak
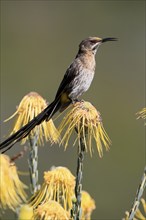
108, 39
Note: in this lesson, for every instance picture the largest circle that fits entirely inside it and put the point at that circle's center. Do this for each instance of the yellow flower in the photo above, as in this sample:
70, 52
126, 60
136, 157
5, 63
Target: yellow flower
58, 185
86, 120
30, 106
11, 188
87, 205
50, 210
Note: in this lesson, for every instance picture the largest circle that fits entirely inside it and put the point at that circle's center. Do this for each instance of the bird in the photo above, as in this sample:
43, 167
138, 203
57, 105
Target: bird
77, 80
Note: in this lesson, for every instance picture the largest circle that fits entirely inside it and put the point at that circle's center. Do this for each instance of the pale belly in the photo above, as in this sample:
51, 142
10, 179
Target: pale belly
81, 83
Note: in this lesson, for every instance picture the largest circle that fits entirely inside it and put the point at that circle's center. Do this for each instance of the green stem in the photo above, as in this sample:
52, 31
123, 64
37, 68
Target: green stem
33, 162
76, 212
139, 194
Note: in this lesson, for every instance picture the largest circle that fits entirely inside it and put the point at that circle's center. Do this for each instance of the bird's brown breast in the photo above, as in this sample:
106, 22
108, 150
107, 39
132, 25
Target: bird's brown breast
88, 61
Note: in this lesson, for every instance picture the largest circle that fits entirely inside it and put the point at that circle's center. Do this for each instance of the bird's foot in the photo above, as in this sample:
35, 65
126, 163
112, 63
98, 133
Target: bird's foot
77, 100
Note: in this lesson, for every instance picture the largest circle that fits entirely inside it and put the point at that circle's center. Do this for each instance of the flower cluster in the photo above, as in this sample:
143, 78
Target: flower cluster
58, 185
86, 120
54, 199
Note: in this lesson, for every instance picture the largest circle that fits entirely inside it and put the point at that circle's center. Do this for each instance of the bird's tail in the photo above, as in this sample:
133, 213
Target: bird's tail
46, 114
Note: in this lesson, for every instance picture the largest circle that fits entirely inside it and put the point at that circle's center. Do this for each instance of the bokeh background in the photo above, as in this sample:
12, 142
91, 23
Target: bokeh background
39, 39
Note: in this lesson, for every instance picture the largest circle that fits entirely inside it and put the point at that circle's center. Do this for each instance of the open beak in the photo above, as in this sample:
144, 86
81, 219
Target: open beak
108, 39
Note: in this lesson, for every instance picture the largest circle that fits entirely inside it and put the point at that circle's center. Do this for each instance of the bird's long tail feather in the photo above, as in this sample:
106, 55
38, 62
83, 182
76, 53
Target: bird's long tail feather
46, 114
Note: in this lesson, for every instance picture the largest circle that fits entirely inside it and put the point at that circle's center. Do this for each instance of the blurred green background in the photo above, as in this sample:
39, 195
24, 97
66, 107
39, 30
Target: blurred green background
39, 39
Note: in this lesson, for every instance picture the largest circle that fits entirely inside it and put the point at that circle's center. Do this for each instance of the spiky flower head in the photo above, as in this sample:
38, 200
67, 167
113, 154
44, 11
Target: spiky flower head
87, 205
58, 185
87, 121
12, 192
30, 106
50, 210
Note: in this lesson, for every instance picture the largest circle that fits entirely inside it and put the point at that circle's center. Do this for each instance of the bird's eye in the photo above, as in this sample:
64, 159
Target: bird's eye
93, 41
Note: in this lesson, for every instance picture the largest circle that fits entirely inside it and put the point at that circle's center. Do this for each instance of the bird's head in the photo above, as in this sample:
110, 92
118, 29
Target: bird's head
92, 43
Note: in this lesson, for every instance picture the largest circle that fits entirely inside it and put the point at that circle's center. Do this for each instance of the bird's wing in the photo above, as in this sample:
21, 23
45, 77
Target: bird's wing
66, 83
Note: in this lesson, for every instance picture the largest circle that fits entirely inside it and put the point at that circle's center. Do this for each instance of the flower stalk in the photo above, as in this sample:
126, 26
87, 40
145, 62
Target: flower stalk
76, 211
33, 162
138, 196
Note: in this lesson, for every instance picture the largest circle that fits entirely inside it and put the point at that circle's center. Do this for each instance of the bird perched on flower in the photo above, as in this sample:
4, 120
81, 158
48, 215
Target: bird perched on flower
76, 81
